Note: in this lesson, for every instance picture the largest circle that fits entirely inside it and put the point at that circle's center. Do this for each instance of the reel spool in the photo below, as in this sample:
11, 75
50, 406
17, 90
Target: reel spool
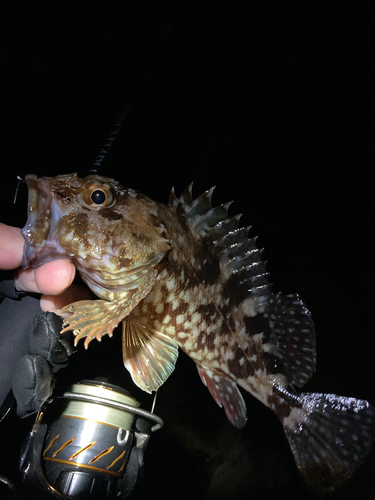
88, 443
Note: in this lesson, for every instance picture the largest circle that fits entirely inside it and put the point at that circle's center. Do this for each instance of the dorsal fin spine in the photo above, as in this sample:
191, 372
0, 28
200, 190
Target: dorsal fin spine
240, 259
172, 202
201, 205
204, 223
186, 197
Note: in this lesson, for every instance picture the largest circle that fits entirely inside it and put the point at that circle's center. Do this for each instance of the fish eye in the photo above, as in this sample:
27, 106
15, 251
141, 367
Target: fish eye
97, 196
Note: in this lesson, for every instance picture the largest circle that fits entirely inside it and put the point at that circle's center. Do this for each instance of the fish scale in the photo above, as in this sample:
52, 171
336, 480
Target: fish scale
186, 275
224, 320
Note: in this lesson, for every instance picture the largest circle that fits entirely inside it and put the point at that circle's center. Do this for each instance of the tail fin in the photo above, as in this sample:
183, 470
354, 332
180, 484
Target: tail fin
329, 436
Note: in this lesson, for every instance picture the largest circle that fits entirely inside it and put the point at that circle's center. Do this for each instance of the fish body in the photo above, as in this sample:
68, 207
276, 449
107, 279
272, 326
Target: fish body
186, 275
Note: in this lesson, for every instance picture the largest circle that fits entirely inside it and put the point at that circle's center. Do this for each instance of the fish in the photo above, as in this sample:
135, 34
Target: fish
185, 275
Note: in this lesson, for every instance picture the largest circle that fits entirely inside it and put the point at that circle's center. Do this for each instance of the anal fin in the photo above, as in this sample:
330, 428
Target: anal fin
226, 393
149, 355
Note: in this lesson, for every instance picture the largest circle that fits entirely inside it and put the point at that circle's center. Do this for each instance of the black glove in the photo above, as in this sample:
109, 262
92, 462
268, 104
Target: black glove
49, 351
31, 349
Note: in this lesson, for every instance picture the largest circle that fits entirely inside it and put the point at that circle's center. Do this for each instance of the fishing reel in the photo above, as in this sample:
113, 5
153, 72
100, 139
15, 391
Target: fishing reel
86, 443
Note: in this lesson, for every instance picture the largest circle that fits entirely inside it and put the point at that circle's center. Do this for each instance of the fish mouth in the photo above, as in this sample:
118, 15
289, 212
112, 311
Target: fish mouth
38, 248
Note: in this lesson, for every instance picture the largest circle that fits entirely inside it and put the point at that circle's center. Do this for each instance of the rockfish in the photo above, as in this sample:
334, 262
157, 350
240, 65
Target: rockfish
186, 275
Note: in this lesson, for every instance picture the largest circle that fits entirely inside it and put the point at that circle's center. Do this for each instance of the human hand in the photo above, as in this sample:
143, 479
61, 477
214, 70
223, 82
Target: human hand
53, 280
32, 347
33, 373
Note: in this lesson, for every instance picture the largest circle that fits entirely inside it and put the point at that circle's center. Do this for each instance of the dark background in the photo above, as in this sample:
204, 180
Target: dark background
272, 102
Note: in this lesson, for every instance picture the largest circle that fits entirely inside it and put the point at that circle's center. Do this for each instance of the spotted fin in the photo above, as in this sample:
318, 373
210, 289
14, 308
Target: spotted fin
329, 436
91, 319
226, 393
149, 356
289, 338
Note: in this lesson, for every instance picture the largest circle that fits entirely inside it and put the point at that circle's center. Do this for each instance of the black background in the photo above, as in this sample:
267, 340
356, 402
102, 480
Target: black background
272, 102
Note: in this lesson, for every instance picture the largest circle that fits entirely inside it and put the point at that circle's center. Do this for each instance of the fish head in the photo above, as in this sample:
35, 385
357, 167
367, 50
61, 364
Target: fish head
105, 229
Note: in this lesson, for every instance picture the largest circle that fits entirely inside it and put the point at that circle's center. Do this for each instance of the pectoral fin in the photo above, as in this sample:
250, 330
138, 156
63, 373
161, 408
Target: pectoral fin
95, 318
149, 356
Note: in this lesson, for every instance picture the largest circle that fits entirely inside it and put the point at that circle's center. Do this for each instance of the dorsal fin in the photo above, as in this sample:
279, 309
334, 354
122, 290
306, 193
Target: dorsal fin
185, 199
287, 329
199, 212
240, 260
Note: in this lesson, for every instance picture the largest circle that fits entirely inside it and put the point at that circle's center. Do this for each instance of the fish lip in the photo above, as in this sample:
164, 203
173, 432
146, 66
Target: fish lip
36, 229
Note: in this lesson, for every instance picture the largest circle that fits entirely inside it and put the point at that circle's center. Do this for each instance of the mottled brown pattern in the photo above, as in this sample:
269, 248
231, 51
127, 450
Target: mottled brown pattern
209, 270
187, 276
71, 228
240, 371
254, 324
192, 301
234, 293
107, 213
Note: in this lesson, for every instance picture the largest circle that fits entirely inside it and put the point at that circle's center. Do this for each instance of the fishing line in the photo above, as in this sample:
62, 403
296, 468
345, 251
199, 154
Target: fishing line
17, 187
154, 402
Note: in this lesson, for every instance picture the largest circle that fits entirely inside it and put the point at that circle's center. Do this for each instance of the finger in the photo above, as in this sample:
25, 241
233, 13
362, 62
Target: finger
55, 277
54, 303
52, 278
11, 246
